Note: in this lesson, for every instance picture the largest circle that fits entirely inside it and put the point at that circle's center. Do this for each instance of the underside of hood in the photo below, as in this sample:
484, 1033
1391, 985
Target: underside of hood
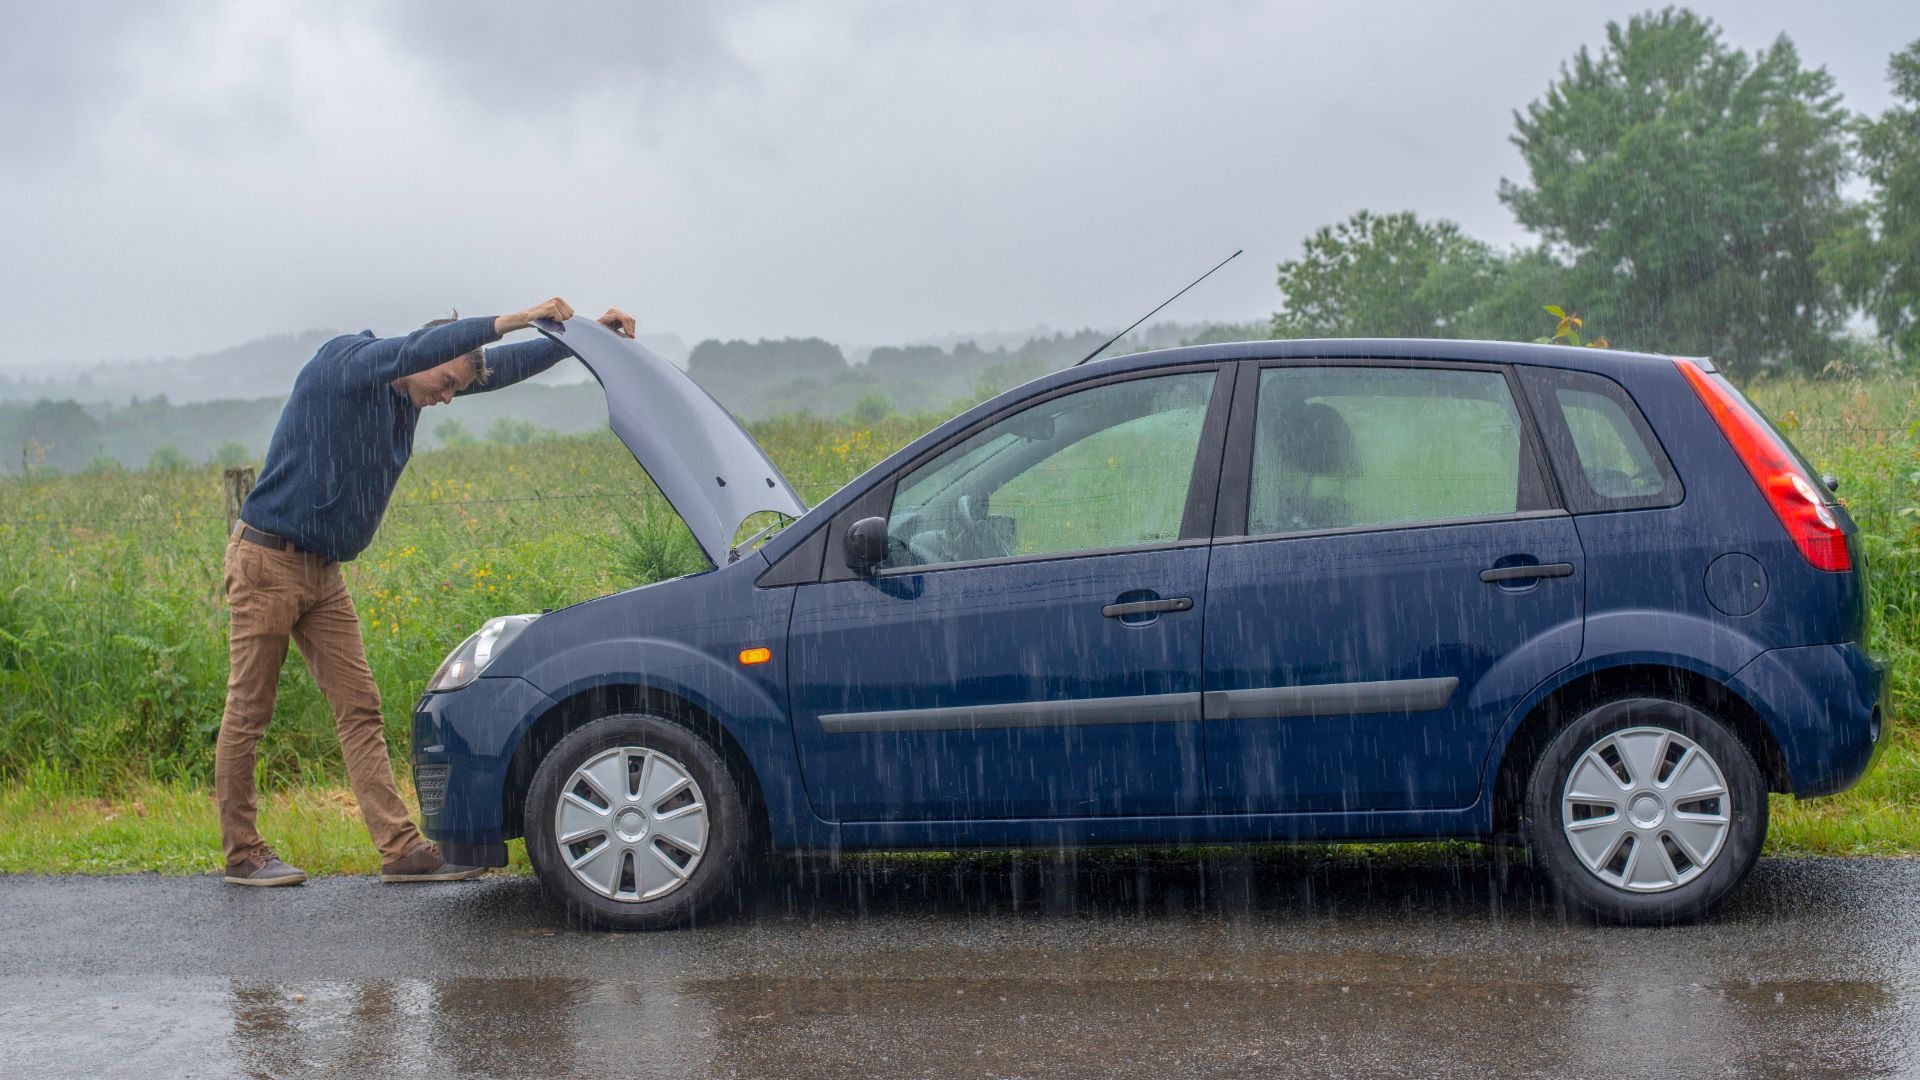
698, 455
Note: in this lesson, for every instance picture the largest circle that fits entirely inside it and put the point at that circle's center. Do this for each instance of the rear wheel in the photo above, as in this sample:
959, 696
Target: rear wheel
1646, 810
634, 823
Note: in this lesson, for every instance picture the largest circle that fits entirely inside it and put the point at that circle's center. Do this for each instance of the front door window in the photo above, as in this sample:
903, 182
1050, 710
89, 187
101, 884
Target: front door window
1102, 468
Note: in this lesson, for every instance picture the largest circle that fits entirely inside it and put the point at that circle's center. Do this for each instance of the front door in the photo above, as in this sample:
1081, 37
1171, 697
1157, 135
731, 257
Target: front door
1032, 647
1399, 580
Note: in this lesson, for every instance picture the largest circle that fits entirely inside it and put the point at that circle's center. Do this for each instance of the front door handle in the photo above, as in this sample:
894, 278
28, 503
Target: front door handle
1147, 607
1530, 570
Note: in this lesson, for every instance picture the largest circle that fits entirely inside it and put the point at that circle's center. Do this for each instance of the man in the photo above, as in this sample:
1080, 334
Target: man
338, 450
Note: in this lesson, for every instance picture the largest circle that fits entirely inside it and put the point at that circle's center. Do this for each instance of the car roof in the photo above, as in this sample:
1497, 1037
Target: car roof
1491, 352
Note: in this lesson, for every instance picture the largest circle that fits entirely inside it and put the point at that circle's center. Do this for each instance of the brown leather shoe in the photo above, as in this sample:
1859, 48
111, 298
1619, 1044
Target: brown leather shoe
425, 864
263, 869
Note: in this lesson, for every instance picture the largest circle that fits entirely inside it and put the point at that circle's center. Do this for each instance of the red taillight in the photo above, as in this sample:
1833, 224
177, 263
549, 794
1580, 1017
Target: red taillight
1795, 500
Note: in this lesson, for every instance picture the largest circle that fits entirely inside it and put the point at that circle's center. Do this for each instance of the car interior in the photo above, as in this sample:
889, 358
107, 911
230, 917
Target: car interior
1141, 434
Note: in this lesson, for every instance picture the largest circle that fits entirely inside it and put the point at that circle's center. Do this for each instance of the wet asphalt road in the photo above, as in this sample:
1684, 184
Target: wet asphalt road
1248, 964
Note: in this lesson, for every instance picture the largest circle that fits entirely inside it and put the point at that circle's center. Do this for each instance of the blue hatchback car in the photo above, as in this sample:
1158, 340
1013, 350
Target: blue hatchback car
1591, 601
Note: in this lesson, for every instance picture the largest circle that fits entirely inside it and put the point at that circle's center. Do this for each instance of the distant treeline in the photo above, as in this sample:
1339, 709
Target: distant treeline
755, 380
758, 379
260, 368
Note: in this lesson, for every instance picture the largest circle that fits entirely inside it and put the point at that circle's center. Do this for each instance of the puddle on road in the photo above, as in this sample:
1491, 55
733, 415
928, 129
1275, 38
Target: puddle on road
1321, 1014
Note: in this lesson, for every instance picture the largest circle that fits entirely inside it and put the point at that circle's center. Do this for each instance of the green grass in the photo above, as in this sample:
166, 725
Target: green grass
1879, 816
113, 647
113, 629
170, 828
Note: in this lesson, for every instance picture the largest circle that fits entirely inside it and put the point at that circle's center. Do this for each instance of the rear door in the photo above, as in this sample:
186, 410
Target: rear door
1032, 649
1392, 574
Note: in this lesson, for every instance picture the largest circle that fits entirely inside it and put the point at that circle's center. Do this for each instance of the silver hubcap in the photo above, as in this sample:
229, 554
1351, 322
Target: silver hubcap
1646, 809
631, 824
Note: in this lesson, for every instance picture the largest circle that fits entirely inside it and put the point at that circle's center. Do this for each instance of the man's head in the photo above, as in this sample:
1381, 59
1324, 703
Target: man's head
437, 385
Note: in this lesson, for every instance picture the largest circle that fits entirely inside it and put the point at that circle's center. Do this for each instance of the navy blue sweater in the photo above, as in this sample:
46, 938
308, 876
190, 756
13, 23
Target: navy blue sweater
346, 433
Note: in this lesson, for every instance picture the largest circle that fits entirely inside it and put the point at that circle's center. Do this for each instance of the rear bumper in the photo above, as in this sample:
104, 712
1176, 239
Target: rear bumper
1826, 706
462, 745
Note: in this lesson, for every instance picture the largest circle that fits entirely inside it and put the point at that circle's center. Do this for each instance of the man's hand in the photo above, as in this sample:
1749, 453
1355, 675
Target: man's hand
556, 309
618, 321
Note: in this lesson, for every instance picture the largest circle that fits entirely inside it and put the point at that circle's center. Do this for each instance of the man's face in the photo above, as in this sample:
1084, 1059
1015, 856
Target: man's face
437, 385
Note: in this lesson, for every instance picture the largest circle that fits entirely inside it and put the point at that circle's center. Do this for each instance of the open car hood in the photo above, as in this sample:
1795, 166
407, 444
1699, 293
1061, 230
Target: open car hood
698, 455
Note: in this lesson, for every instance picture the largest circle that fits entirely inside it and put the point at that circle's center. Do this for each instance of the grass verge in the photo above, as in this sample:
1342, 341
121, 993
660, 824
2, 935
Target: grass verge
171, 829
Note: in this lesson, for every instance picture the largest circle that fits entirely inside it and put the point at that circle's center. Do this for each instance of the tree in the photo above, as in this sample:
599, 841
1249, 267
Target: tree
1877, 261
169, 459
506, 431
1689, 184
452, 433
720, 364
231, 455
1214, 333
871, 409
1510, 307
57, 435
1386, 275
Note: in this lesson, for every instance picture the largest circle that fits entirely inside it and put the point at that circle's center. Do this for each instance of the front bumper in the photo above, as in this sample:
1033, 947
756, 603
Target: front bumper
463, 743
1827, 708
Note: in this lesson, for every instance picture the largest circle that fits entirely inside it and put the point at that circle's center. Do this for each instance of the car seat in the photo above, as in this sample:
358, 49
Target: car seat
1309, 440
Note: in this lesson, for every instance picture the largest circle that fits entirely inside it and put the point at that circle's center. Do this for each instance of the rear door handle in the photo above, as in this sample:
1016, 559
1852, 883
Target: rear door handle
1531, 570
1147, 607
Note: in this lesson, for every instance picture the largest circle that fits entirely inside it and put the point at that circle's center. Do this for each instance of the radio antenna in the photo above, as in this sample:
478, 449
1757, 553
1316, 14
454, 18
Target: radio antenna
1155, 311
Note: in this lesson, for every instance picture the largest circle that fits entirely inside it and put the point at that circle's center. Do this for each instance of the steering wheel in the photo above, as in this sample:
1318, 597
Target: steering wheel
962, 536
917, 549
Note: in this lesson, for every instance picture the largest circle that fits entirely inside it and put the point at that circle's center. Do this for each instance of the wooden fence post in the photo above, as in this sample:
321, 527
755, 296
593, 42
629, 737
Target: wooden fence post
236, 483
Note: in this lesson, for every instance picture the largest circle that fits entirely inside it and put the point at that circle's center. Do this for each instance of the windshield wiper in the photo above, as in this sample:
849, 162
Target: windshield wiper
751, 542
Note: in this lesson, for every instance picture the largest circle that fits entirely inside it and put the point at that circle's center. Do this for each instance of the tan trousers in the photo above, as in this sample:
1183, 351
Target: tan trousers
273, 595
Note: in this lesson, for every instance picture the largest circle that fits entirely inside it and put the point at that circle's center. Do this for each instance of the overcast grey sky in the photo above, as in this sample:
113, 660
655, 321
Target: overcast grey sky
179, 177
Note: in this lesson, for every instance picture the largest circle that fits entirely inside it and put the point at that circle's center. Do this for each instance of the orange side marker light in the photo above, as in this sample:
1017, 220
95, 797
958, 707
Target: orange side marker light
756, 656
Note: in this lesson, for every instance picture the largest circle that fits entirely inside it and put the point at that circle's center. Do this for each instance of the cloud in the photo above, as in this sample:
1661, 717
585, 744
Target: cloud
64, 69
180, 178
526, 59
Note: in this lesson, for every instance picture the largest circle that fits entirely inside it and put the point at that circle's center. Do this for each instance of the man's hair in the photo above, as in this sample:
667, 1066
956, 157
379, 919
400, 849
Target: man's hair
478, 357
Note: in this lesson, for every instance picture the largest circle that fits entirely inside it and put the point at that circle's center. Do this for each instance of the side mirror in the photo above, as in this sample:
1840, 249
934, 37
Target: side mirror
866, 544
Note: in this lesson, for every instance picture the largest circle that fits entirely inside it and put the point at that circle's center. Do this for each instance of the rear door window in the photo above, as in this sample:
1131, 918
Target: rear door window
1357, 447
1601, 445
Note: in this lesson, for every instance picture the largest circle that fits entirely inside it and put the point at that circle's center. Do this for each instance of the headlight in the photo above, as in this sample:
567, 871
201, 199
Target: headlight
465, 663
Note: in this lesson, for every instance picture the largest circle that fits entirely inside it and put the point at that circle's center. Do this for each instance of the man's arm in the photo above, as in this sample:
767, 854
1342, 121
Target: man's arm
510, 364
373, 361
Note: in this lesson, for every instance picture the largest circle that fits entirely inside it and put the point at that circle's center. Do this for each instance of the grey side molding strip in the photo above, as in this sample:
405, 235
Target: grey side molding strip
1145, 709
1330, 699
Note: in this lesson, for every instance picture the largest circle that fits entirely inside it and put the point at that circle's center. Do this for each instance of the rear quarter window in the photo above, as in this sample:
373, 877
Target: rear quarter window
1602, 448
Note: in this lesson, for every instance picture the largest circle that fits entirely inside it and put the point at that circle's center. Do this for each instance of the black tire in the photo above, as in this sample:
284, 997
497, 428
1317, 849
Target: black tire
712, 875
1583, 888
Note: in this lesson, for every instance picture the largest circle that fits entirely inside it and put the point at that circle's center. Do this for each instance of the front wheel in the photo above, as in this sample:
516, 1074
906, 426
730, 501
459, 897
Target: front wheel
634, 823
1646, 810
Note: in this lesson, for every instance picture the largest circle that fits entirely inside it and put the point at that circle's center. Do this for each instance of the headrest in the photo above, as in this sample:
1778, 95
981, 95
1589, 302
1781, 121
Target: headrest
1311, 437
